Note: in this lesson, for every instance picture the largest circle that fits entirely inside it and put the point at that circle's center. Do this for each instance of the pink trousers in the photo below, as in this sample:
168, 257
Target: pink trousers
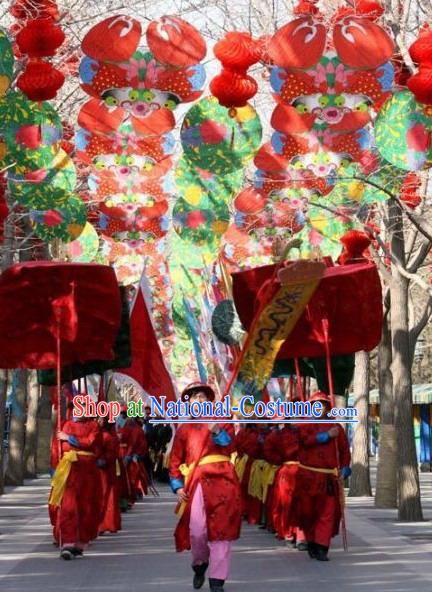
216, 553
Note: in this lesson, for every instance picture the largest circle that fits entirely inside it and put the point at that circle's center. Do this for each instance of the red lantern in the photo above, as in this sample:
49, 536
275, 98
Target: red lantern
34, 9
40, 38
421, 84
421, 50
306, 7
40, 81
237, 52
355, 243
233, 89
409, 191
173, 41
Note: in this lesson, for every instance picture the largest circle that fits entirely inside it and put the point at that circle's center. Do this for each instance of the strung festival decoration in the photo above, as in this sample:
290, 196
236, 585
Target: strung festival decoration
125, 140
233, 87
39, 38
327, 85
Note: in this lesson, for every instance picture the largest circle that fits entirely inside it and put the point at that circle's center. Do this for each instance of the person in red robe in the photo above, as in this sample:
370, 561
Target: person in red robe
249, 449
76, 487
281, 448
135, 459
209, 494
124, 434
109, 467
324, 457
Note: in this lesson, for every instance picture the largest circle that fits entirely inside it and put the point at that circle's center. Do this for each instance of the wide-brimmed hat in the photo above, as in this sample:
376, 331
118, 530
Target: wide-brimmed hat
320, 396
195, 387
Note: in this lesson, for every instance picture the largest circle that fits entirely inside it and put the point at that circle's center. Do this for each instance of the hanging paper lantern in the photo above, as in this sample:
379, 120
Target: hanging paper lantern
65, 222
298, 44
421, 84
200, 226
237, 52
114, 39
410, 191
175, 42
33, 9
40, 38
361, 43
214, 141
233, 89
84, 249
403, 133
40, 81
421, 50
198, 186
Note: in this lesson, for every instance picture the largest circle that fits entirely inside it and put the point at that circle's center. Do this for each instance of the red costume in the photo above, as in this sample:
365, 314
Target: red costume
76, 518
281, 448
111, 519
319, 492
249, 442
137, 451
220, 486
124, 434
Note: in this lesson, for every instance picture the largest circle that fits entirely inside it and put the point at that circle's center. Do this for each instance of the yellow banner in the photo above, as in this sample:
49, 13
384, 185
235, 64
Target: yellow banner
276, 320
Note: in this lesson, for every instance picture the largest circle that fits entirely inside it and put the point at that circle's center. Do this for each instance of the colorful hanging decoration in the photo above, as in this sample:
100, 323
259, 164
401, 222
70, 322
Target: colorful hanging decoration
403, 131
39, 38
327, 84
125, 139
233, 87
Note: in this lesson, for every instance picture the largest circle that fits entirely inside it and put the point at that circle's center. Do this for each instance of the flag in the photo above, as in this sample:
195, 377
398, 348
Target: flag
193, 330
148, 367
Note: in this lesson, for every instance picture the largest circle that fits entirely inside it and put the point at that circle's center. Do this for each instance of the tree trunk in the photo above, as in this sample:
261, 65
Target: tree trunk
360, 478
409, 501
44, 432
30, 448
3, 393
386, 481
15, 465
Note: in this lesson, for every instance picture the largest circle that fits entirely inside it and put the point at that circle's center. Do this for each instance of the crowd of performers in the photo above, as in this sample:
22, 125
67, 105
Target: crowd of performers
99, 470
284, 477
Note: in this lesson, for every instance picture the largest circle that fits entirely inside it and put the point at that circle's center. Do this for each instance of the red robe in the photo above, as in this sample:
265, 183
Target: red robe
137, 473
125, 437
317, 503
76, 520
247, 442
220, 486
281, 446
111, 520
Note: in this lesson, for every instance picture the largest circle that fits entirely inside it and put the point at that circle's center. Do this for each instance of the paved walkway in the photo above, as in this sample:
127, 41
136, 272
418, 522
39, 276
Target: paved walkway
383, 554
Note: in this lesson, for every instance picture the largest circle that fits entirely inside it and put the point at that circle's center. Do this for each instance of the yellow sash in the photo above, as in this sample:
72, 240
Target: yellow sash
269, 474
118, 470
61, 475
291, 462
334, 472
255, 485
186, 471
240, 466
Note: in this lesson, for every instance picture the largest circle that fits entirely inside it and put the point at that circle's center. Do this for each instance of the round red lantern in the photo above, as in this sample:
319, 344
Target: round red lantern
40, 81
40, 38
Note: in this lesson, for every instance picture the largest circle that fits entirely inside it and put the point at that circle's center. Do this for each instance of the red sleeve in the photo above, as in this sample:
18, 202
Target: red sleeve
178, 455
272, 449
343, 447
110, 448
307, 435
91, 440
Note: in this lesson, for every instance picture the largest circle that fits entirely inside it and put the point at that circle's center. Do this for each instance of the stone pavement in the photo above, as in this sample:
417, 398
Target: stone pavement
383, 554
